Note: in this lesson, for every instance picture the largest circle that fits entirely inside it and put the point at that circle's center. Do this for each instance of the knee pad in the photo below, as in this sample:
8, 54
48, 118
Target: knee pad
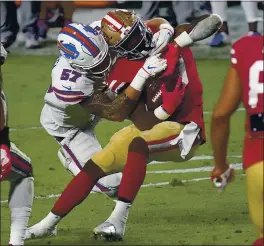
104, 159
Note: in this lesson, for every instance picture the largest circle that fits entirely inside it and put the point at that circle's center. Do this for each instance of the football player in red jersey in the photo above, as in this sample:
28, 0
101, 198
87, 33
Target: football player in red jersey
130, 145
244, 82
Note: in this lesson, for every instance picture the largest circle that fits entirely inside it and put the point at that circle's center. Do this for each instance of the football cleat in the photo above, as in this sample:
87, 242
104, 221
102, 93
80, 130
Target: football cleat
108, 191
110, 231
220, 39
254, 33
31, 42
38, 230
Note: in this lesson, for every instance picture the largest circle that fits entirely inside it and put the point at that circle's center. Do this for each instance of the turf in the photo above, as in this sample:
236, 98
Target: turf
190, 213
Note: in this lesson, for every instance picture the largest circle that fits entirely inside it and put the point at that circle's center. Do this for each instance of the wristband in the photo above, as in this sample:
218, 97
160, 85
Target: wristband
140, 79
161, 114
183, 39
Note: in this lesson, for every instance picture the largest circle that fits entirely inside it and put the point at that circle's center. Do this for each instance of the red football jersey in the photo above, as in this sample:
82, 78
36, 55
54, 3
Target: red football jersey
247, 59
191, 109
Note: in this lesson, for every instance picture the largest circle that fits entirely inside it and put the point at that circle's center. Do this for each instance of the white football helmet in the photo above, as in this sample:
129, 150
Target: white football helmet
85, 49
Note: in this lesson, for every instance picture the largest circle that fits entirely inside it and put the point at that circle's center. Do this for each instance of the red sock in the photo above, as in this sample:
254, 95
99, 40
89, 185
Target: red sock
133, 176
259, 242
78, 189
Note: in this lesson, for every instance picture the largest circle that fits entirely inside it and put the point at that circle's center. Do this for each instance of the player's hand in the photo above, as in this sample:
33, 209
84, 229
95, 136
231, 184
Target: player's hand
5, 165
154, 65
3, 54
171, 100
162, 38
221, 178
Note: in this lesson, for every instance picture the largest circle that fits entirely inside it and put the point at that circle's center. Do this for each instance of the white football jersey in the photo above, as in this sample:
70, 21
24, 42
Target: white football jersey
62, 110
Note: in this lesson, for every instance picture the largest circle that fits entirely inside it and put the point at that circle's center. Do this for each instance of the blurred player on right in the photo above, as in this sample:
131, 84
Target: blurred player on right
244, 82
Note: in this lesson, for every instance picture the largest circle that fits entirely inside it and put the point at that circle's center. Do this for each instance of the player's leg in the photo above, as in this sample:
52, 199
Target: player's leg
8, 23
42, 24
20, 195
251, 10
74, 153
133, 177
29, 15
254, 179
221, 37
159, 138
68, 10
171, 141
103, 162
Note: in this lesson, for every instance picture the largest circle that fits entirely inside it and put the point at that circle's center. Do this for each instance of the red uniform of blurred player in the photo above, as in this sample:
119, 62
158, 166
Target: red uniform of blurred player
244, 82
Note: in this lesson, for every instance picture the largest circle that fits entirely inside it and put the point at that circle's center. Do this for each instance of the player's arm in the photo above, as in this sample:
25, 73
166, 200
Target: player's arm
220, 126
201, 28
145, 120
122, 106
163, 33
116, 110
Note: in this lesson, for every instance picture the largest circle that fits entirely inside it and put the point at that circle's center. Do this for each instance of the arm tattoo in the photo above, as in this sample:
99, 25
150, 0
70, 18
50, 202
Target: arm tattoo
116, 110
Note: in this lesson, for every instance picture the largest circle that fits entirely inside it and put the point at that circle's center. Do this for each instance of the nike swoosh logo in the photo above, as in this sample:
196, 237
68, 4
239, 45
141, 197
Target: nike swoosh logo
149, 67
67, 87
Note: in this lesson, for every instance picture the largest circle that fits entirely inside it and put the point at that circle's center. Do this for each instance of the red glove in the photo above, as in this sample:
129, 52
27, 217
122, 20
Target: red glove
6, 164
171, 100
221, 178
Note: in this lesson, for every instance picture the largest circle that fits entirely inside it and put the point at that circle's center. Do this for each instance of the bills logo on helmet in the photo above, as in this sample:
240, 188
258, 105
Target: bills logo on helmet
79, 36
69, 50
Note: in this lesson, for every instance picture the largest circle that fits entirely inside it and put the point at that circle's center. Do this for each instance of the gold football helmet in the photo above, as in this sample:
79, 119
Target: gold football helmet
126, 33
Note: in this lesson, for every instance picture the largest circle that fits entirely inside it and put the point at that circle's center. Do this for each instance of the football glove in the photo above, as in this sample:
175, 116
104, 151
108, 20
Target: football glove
154, 65
221, 179
171, 100
162, 38
6, 164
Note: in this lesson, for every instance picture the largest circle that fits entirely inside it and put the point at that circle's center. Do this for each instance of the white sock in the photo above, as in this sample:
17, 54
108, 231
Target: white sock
219, 8
51, 220
19, 222
20, 203
250, 9
120, 212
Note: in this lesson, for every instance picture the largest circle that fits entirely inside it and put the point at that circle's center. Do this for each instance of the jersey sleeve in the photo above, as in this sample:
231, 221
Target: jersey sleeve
237, 51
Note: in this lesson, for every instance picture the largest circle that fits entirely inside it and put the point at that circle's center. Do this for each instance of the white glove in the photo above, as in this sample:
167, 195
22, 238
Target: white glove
3, 54
221, 181
162, 38
152, 66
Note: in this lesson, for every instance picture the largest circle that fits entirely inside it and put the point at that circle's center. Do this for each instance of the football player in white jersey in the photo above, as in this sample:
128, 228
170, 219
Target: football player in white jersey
74, 103
16, 168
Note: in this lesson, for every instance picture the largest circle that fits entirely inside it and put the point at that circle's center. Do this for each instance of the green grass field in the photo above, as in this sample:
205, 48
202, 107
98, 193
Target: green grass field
179, 213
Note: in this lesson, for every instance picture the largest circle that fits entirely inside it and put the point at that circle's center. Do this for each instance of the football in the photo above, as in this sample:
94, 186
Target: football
152, 93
